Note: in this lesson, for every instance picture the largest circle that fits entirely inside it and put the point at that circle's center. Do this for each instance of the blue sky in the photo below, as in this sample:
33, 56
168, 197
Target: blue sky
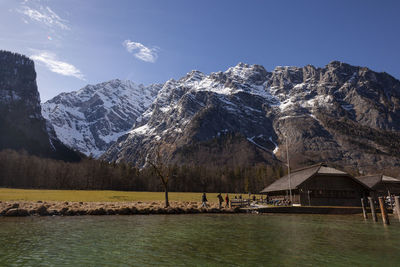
76, 42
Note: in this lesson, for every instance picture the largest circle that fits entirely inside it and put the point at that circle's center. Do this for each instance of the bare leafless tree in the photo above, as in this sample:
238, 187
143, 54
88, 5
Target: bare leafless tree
163, 172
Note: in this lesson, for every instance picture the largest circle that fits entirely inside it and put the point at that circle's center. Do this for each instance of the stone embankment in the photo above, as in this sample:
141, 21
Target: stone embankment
52, 208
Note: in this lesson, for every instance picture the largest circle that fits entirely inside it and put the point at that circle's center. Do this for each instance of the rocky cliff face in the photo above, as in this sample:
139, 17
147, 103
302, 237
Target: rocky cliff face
21, 123
342, 114
190, 114
92, 119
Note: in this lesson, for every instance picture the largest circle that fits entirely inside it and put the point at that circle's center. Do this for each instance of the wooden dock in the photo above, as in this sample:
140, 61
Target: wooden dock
305, 210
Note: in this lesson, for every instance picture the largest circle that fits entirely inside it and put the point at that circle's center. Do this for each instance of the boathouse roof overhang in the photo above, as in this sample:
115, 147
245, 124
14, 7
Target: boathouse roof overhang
372, 181
299, 176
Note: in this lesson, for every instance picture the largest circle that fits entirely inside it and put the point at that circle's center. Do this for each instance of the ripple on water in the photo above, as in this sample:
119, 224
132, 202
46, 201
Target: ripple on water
198, 240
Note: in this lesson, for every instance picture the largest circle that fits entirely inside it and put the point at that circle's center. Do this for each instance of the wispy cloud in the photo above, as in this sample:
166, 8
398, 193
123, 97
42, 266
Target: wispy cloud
50, 60
44, 15
141, 52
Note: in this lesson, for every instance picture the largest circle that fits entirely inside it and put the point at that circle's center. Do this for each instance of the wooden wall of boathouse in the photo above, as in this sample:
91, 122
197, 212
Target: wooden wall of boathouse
326, 190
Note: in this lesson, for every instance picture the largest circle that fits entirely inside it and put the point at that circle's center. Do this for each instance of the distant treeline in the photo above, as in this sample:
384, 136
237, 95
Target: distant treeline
21, 170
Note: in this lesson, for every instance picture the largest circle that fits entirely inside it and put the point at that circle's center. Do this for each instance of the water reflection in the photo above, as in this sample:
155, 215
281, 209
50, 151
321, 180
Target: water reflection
198, 240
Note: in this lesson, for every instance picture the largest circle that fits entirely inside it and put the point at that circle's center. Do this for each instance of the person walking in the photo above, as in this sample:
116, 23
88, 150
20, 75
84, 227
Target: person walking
227, 201
220, 200
204, 201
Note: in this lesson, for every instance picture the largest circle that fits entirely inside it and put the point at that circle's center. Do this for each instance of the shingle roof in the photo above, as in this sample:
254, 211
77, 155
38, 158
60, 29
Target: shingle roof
373, 180
370, 180
329, 170
298, 176
389, 179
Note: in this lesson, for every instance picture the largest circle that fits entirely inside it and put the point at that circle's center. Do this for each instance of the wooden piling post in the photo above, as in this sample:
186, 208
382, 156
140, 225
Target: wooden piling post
373, 211
385, 217
397, 204
363, 209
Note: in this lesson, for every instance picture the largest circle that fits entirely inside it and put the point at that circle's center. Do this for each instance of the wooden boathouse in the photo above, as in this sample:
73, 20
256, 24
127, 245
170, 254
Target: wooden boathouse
318, 185
381, 185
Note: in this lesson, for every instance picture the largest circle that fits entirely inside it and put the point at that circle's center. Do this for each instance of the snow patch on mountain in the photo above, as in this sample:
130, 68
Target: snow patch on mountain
251, 140
94, 117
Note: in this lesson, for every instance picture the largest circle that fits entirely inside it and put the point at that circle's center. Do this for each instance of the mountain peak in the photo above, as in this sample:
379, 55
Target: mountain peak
339, 64
93, 117
194, 72
118, 82
243, 66
245, 71
16, 58
286, 68
193, 76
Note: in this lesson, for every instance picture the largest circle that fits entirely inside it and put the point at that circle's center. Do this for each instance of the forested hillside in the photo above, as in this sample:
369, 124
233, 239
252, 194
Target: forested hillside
21, 170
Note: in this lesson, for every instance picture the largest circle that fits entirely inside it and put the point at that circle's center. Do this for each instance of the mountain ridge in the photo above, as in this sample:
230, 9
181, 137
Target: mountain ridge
273, 99
318, 109
91, 118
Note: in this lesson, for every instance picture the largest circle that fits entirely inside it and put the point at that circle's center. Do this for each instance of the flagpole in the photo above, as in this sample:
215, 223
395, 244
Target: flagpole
288, 165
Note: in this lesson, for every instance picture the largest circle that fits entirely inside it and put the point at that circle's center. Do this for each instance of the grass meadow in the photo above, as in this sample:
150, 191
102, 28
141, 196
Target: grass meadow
11, 194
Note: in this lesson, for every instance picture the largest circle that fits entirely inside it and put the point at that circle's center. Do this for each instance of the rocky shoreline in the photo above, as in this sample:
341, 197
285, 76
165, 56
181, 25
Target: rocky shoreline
53, 208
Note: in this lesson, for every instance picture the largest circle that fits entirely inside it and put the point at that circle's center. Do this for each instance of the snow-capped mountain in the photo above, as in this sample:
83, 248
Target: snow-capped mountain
92, 118
22, 126
342, 114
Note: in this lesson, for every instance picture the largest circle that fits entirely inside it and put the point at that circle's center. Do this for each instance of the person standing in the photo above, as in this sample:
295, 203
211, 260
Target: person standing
220, 200
227, 201
204, 201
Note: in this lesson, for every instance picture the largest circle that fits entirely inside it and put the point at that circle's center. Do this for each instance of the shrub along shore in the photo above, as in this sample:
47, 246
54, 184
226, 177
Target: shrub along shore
56, 208
27, 202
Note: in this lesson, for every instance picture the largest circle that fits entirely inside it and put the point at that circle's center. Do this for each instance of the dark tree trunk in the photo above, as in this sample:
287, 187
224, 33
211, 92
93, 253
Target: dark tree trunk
166, 196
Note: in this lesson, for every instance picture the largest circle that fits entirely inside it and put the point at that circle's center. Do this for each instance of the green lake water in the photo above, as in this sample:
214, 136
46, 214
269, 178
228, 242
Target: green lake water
199, 240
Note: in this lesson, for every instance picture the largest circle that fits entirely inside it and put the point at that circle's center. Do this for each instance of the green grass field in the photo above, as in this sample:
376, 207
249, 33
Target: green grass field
11, 194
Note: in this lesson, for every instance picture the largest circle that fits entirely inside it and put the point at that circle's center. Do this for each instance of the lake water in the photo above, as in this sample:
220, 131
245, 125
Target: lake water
199, 240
